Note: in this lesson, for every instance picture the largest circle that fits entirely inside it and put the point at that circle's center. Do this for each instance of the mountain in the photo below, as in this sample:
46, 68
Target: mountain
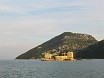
64, 42
95, 51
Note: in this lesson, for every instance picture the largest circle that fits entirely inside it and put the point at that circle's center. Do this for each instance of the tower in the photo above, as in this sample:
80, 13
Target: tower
70, 55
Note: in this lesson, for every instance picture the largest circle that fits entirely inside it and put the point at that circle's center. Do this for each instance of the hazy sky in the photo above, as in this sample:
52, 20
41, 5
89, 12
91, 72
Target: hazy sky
25, 24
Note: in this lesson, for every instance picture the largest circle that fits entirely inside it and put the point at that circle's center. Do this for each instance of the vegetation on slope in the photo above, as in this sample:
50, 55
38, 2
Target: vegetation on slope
65, 42
95, 51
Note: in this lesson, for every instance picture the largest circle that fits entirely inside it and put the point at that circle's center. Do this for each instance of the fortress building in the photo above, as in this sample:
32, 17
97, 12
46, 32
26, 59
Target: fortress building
65, 56
68, 56
48, 56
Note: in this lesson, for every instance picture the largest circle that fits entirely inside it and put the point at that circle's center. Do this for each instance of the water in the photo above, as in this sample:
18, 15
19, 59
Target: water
54, 69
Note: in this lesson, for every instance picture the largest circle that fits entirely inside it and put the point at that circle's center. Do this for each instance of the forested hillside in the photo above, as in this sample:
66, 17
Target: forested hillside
64, 42
95, 51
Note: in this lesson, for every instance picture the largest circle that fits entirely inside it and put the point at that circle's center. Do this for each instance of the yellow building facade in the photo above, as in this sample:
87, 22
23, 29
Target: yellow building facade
68, 56
60, 58
47, 56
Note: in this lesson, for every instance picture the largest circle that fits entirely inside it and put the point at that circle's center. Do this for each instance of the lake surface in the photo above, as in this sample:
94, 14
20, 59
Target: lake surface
55, 69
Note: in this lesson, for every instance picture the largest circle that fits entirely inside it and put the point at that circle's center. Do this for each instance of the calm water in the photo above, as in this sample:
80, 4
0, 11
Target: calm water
54, 69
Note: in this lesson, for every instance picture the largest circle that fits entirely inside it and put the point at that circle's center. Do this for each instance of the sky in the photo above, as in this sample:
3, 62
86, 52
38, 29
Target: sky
25, 24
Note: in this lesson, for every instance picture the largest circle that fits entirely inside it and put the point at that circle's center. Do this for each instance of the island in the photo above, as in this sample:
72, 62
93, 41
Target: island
67, 46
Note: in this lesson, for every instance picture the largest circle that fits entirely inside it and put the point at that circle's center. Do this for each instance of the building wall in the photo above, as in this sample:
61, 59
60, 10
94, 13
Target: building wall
70, 55
60, 57
47, 56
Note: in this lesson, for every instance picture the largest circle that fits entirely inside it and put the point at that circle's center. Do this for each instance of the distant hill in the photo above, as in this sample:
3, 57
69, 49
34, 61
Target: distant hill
95, 51
64, 42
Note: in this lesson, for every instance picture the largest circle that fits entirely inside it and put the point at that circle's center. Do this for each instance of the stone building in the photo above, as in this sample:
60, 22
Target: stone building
64, 56
47, 56
61, 58
67, 56
70, 55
